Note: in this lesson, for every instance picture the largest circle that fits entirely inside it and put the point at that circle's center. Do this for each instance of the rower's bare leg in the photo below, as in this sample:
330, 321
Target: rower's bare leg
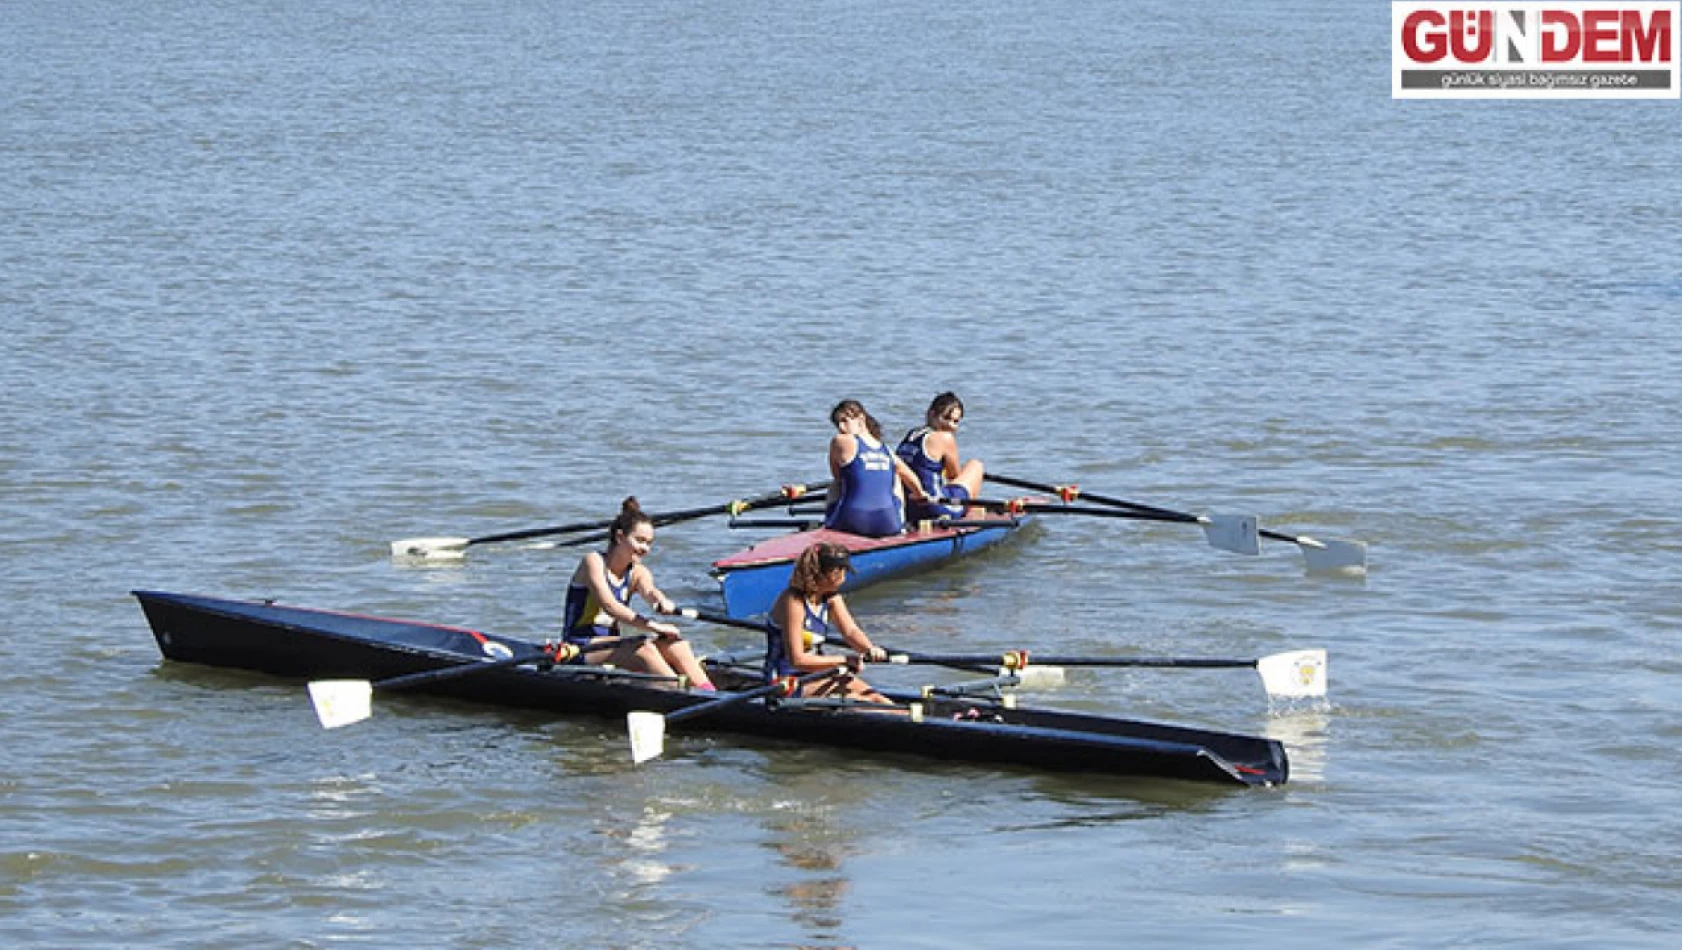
971, 477
636, 657
851, 687
860, 690
678, 654
625, 656
651, 661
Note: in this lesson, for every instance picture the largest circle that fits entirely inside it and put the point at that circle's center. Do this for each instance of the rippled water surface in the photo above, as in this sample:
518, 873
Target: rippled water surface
282, 283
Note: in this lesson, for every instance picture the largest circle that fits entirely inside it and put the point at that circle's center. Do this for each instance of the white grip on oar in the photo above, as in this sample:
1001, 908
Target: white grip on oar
1300, 674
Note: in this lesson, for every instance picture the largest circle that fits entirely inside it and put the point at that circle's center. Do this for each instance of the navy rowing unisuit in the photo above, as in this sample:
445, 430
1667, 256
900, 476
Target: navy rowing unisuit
585, 619
813, 626
932, 476
866, 504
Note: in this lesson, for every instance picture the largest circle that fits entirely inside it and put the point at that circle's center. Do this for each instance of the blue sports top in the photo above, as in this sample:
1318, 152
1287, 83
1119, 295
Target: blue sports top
866, 504
814, 624
932, 475
585, 619
929, 470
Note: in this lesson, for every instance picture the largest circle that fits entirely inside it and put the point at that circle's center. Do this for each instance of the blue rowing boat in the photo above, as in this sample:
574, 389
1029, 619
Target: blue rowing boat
751, 580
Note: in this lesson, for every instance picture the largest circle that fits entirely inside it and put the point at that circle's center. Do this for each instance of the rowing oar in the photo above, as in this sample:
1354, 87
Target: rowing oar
1237, 533
1019, 506
1300, 674
706, 616
343, 702
454, 548
1040, 677
648, 729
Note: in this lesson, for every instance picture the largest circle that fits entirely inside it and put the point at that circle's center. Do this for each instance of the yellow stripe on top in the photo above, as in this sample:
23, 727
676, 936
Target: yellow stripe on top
586, 614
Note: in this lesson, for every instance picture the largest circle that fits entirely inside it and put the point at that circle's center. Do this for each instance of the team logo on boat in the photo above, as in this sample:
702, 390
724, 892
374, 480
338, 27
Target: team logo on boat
1534, 50
495, 650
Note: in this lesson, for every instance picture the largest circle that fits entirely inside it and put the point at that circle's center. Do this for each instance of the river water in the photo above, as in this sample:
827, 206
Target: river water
284, 282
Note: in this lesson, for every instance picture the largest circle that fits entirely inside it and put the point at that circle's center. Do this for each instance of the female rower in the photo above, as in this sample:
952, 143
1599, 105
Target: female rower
866, 496
807, 610
599, 605
931, 451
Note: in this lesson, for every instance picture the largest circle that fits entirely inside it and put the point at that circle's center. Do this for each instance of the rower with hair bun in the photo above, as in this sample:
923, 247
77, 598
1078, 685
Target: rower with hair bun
598, 605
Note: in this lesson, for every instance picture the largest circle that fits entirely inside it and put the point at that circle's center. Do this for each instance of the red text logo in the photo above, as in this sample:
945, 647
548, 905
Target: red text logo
1555, 50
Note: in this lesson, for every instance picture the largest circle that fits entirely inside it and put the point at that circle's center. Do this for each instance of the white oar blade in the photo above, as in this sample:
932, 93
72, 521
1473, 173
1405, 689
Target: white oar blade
430, 549
1033, 677
1236, 533
342, 702
1334, 557
648, 735
1297, 675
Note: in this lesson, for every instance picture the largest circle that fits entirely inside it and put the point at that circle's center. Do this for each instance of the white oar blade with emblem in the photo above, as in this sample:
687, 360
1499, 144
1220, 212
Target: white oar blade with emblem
342, 702
1300, 674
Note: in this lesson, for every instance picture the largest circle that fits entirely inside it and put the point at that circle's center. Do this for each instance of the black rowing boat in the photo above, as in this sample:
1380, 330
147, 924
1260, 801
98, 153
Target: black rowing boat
319, 644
